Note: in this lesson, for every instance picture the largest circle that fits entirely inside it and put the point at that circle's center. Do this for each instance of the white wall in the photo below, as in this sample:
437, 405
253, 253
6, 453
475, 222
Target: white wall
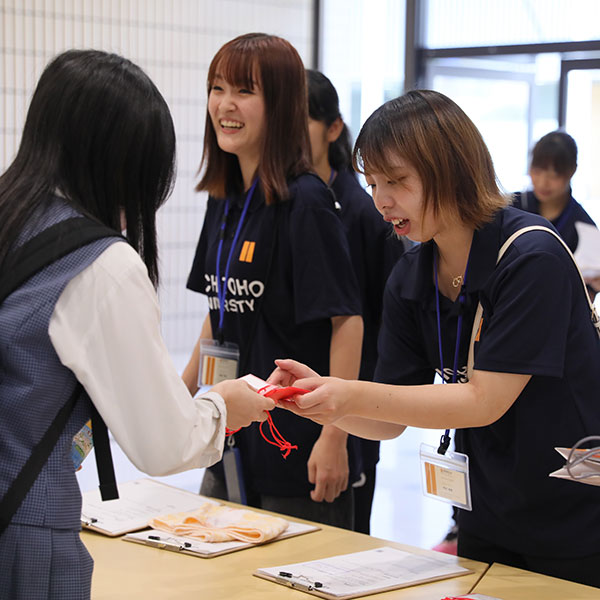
174, 41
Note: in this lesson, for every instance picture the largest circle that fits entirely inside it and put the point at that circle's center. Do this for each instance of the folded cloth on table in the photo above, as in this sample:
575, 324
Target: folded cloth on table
216, 523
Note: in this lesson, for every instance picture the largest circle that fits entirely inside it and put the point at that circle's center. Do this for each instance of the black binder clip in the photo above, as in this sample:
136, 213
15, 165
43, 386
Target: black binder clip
444, 444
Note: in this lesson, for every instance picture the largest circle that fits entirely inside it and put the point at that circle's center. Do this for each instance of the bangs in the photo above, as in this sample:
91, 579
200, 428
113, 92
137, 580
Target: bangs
549, 160
236, 67
372, 149
545, 162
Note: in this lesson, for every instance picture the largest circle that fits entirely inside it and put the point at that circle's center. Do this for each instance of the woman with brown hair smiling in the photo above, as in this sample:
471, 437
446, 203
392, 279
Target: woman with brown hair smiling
274, 262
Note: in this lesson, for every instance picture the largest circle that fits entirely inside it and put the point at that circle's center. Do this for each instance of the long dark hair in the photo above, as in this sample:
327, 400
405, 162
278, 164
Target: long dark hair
286, 148
324, 106
99, 133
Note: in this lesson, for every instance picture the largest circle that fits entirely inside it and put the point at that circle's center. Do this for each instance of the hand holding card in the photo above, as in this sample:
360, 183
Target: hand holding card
274, 392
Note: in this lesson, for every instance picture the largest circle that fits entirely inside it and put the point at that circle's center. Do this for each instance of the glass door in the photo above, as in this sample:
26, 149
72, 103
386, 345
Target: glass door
580, 116
497, 96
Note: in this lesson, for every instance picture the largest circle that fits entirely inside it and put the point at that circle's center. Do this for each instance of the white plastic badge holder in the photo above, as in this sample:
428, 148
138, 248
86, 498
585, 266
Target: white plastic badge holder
445, 477
217, 362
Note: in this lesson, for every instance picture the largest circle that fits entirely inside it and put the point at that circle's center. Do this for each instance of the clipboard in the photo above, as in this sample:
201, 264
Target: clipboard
362, 573
192, 547
139, 501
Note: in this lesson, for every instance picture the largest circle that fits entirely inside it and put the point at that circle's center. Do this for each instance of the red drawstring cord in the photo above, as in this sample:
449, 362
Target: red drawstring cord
285, 446
280, 442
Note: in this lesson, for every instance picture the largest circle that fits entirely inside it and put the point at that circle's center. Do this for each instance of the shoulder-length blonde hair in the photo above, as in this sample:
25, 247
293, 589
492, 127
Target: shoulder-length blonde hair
432, 132
286, 148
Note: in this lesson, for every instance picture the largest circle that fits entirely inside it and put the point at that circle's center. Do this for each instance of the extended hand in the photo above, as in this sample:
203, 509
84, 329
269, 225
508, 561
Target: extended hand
327, 401
244, 405
288, 371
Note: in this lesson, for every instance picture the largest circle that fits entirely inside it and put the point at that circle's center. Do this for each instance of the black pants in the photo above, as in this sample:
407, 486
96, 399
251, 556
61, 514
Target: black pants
584, 569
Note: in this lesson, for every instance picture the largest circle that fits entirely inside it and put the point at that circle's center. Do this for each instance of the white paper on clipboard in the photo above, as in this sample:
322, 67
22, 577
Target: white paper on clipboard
362, 573
139, 501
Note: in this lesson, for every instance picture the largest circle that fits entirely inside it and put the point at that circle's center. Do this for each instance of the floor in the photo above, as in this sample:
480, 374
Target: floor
400, 511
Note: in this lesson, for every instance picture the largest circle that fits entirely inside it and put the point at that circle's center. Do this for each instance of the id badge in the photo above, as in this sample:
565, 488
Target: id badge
217, 362
445, 477
234, 477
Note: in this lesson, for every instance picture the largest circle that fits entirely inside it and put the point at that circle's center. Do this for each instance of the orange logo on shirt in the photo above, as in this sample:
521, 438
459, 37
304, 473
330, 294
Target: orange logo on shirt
247, 252
479, 331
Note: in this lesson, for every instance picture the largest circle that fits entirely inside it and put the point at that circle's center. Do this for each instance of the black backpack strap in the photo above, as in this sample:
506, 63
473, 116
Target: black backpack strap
37, 253
51, 244
31, 469
104, 461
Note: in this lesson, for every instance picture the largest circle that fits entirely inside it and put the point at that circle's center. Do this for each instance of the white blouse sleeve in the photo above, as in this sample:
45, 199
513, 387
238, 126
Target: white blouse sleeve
106, 329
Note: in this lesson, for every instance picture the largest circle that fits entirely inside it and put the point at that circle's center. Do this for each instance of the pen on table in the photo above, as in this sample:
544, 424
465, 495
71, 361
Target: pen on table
287, 578
88, 520
159, 539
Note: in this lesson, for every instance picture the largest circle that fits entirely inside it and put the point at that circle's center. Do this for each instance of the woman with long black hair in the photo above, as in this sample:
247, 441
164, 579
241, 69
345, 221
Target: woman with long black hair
374, 250
98, 145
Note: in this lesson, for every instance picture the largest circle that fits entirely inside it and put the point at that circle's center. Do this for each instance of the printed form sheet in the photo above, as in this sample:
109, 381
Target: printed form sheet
361, 573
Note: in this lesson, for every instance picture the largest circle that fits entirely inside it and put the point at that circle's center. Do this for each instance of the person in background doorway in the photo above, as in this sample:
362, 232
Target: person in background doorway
373, 249
553, 164
98, 142
274, 262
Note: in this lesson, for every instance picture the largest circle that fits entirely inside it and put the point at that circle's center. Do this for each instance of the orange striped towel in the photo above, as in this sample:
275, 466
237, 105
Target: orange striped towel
216, 523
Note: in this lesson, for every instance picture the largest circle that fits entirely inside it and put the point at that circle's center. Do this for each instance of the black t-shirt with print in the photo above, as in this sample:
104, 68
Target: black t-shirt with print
283, 314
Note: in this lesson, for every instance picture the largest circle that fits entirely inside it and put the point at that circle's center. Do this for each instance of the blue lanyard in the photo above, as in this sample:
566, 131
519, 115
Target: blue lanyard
562, 219
331, 177
222, 288
445, 439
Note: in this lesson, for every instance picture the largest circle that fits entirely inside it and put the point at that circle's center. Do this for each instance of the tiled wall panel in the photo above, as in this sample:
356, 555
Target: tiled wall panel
174, 41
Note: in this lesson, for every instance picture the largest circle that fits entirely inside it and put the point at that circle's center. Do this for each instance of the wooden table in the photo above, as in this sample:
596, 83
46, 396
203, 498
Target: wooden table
509, 583
128, 570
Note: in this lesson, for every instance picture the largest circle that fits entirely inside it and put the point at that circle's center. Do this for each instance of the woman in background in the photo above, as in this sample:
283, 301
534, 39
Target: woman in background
373, 249
553, 164
274, 262
534, 379
91, 316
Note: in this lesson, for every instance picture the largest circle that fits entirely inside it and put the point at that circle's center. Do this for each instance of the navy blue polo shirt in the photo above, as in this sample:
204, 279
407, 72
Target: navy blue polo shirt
564, 223
536, 321
290, 273
374, 250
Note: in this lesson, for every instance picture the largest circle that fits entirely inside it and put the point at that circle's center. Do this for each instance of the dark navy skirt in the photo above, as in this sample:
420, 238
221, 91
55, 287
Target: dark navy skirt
38, 564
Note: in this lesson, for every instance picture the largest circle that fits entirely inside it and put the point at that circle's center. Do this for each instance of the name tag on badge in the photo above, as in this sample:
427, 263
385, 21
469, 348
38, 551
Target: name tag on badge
445, 477
217, 362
